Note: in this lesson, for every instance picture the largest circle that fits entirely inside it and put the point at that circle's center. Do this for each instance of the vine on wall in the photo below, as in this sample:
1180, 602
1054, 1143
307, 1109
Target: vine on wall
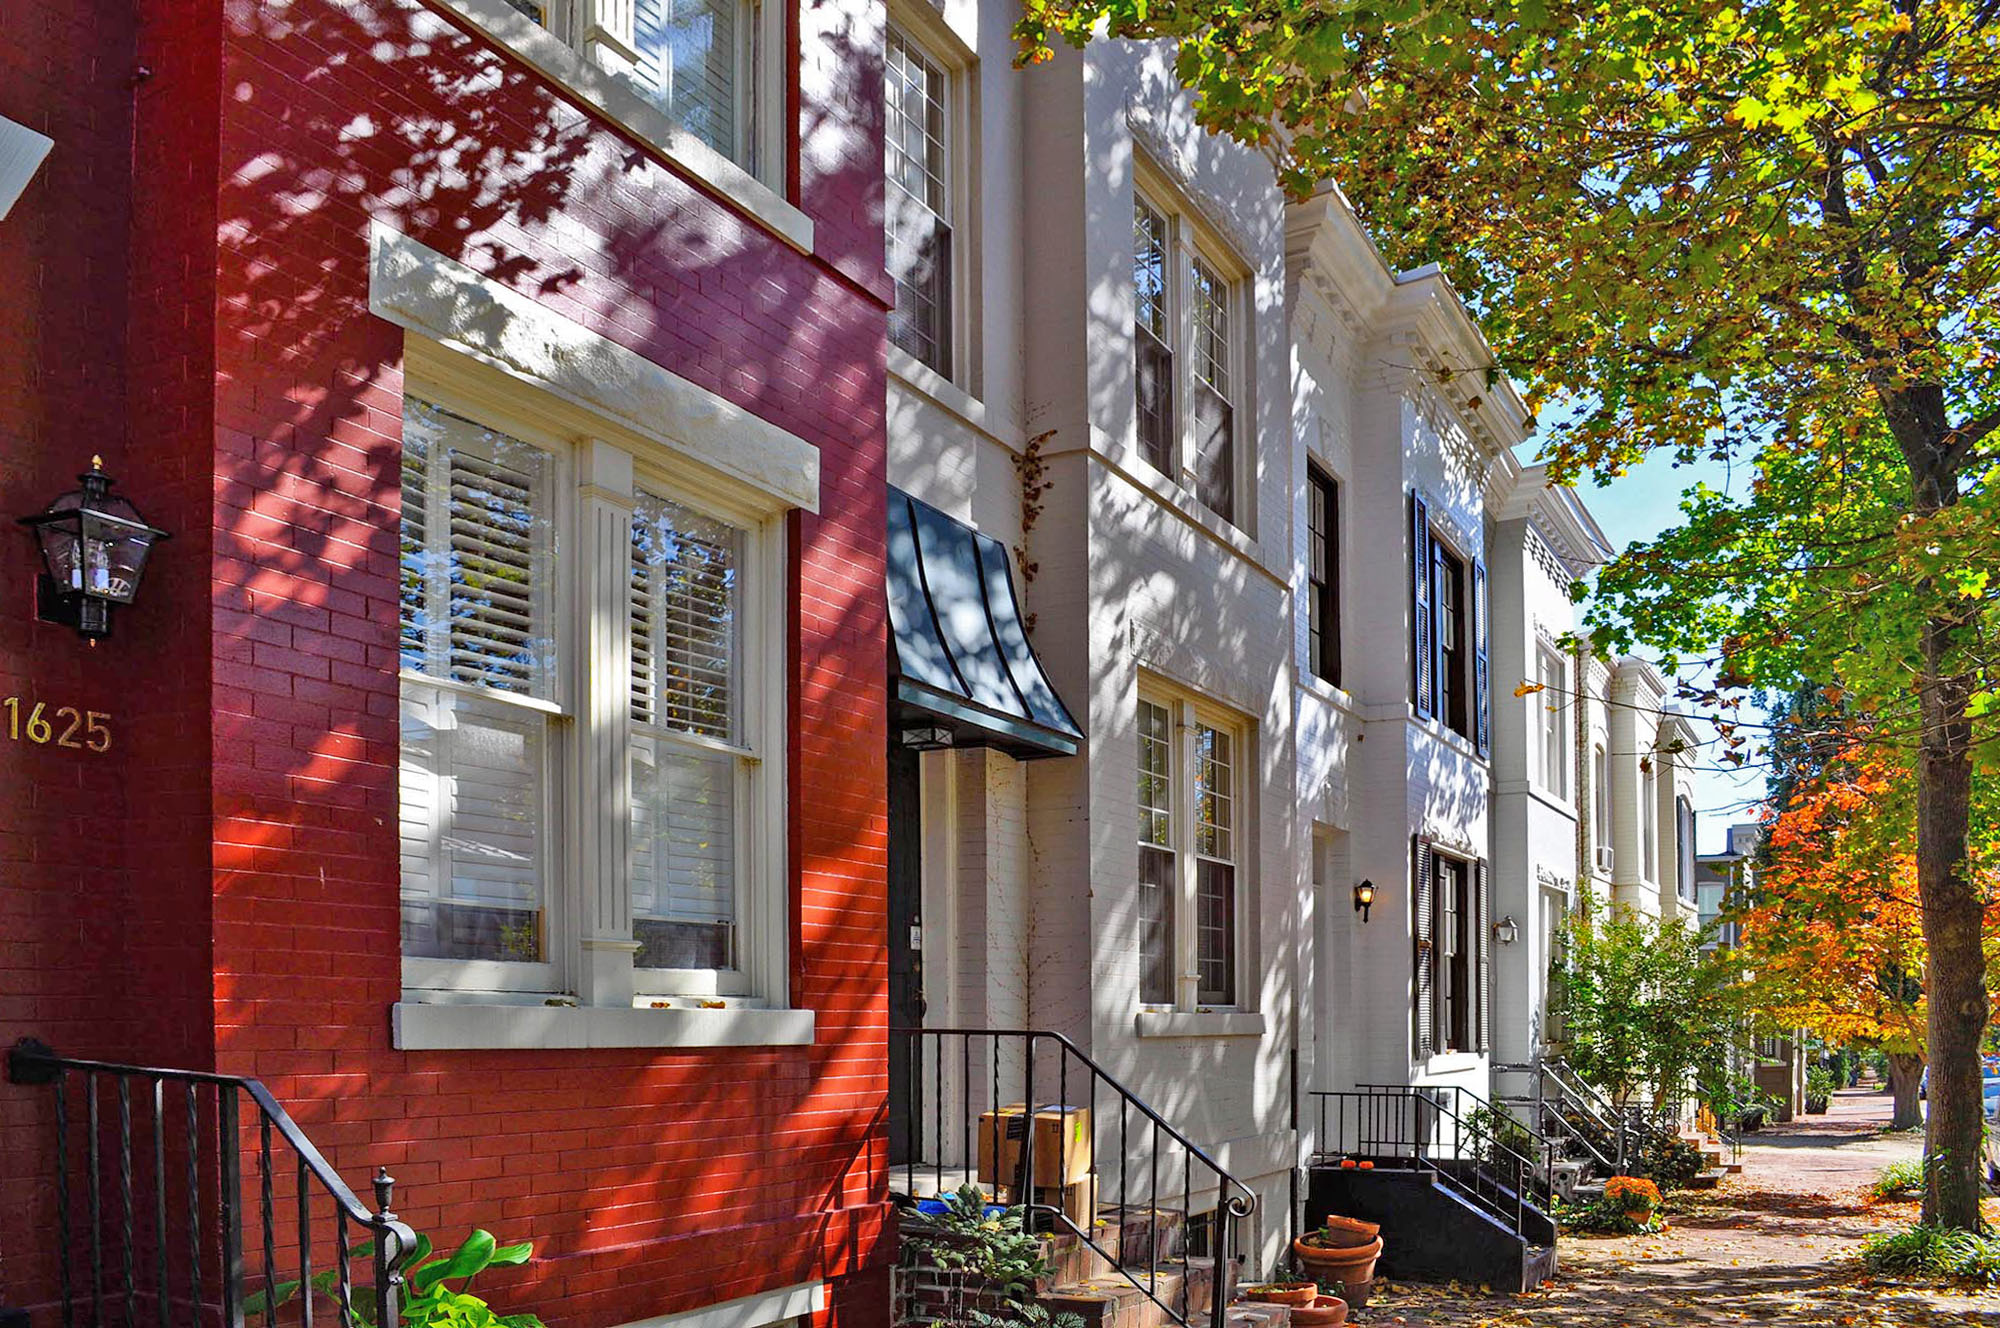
1032, 471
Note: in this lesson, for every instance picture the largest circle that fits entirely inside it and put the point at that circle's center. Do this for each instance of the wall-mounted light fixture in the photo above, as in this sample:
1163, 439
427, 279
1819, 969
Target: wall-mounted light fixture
94, 546
1506, 930
1364, 895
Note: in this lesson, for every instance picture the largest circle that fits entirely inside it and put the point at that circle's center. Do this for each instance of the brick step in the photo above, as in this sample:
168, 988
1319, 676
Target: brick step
1113, 1301
1709, 1179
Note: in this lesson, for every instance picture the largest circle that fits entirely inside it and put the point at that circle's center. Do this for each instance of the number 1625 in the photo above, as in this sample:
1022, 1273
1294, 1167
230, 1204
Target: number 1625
65, 726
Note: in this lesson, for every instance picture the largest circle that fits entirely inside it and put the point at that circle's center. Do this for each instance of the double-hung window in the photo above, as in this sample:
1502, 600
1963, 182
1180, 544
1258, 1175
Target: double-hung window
1189, 363
706, 65
1191, 809
1322, 575
690, 760
650, 746
482, 690
1452, 905
1551, 711
918, 203
1451, 647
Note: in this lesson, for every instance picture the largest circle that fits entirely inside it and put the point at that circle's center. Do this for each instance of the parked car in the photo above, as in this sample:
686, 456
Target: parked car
1990, 1099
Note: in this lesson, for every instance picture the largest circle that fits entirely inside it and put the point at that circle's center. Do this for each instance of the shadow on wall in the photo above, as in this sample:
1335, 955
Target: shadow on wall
333, 114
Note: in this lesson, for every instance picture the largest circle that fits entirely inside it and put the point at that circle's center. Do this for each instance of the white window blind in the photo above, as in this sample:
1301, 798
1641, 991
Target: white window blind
478, 554
1215, 868
1157, 883
690, 753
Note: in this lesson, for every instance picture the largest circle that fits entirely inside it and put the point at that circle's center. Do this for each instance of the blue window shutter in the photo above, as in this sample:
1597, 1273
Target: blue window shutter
1482, 638
1423, 983
1422, 627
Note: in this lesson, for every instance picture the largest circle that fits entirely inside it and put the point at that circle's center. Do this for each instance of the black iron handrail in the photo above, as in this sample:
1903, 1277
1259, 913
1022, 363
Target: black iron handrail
1080, 1089
1466, 1107
1551, 1116
31, 1063
1407, 1125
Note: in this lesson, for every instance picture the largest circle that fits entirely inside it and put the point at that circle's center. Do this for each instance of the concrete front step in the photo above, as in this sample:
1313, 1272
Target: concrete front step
1709, 1179
1121, 1300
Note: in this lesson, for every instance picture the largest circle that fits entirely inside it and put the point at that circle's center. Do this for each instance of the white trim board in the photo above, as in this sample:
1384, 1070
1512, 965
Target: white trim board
758, 1311
423, 291
423, 1026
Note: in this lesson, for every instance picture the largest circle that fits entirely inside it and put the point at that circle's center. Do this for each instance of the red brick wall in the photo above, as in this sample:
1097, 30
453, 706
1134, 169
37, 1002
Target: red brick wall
270, 400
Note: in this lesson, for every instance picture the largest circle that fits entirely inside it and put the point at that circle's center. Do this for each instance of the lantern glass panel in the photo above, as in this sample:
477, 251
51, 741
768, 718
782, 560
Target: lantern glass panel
61, 545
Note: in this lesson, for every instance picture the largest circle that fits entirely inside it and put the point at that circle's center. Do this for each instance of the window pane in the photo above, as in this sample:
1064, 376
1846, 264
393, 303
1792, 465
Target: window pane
683, 855
473, 839
477, 547
1209, 304
691, 57
1156, 795
1149, 271
1214, 794
918, 203
1322, 601
1156, 925
1215, 932
685, 596
1214, 452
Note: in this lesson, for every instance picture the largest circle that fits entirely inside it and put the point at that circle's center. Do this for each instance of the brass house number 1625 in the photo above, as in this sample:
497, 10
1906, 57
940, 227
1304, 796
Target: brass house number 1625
60, 726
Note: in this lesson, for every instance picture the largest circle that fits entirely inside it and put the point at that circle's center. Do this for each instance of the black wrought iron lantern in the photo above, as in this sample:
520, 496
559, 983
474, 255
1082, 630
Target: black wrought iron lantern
94, 546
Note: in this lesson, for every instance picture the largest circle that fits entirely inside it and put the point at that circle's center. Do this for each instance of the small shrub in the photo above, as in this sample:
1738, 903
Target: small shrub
1898, 1180
1669, 1161
1929, 1252
995, 1249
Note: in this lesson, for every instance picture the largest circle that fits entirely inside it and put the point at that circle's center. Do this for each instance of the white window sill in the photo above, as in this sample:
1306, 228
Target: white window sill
1208, 1023
1332, 693
556, 60
927, 382
427, 1026
759, 1311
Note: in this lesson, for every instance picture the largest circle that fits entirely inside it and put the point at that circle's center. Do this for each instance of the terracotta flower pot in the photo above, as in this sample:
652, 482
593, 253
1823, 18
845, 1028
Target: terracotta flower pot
1348, 1266
1324, 1312
1348, 1233
1282, 1293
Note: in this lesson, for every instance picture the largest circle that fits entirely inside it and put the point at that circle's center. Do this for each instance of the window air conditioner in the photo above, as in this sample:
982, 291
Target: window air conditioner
1604, 859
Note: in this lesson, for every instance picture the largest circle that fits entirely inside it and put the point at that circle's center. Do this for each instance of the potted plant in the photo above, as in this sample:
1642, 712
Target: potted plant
1323, 1312
1282, 1293
1325, 1256
1637, 1198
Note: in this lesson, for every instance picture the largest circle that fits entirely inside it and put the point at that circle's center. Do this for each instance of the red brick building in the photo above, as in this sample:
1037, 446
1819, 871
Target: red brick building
495, 763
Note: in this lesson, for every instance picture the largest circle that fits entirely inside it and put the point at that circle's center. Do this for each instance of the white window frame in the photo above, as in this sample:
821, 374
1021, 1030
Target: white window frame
1649, 823
555, 974
926, 29
1189, 239
1551, 715
760, 805
1600, 797
1189, 711
577, 895
586, 46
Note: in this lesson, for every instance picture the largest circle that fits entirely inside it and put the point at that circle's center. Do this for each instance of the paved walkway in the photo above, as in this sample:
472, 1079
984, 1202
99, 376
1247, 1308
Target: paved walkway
1774, 1245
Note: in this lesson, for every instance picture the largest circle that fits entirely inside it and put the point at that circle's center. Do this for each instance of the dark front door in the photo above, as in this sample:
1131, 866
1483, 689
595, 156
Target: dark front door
906, 956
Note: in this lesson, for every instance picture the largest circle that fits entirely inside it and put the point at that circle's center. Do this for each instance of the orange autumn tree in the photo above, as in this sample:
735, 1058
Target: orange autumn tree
1834, 932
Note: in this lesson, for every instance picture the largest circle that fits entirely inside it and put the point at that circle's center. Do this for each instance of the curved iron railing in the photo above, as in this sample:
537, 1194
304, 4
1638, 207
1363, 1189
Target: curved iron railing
959, 1086
199, 1232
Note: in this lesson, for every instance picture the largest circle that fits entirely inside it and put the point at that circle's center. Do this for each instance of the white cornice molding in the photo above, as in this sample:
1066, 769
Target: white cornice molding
1165, 155
440, 298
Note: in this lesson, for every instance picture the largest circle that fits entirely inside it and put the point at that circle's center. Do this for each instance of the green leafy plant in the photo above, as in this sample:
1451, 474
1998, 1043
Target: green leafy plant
427, 1302
1606, 1216
1669, 1161
1902, 1179
994, 1248
1026, 1316
1934, 1253
1819, 1088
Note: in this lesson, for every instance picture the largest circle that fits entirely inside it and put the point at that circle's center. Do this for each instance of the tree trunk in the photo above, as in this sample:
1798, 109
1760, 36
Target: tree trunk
1906, 1072
1955, 978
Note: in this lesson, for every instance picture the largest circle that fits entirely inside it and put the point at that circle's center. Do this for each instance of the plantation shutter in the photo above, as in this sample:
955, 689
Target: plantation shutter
1422, 654
1423, 905
684, 590
1482, 978
687, 59
1482, 706
499, 528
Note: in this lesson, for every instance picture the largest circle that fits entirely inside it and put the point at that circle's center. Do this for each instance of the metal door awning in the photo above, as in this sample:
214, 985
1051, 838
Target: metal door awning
959, 655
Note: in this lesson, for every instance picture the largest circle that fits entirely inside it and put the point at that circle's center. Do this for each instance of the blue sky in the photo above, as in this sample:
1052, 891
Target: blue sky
1636, 506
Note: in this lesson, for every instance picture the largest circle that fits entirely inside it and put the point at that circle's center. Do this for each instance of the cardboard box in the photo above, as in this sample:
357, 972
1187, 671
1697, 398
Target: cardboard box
1062, 1145
1077, 1200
